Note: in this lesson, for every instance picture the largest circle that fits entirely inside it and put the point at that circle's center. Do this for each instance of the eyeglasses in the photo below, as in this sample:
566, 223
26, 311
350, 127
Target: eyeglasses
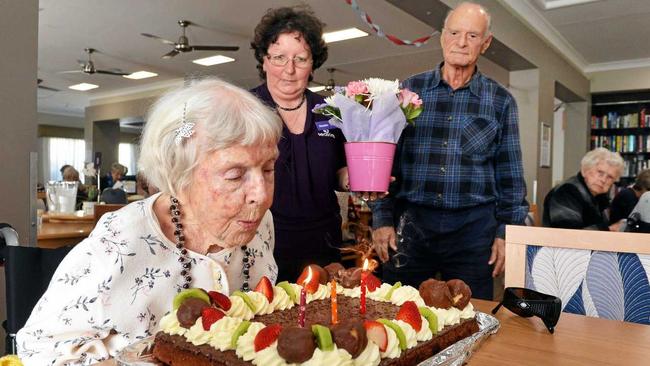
282, 60
526, 303
471, 36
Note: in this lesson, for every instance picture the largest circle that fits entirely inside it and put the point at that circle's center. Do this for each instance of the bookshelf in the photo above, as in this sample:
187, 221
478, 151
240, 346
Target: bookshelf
621, 122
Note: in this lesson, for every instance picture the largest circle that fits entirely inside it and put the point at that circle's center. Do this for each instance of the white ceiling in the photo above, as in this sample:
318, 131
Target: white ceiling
597, 35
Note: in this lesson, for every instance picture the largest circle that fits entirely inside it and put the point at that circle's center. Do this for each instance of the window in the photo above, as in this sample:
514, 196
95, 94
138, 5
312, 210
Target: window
127, 156
60, 151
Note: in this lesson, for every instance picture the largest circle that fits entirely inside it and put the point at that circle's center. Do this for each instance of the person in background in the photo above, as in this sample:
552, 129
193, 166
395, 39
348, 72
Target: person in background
118, 171
624, 202
62, 169
459, 173
211, 148
288, 47
581, 201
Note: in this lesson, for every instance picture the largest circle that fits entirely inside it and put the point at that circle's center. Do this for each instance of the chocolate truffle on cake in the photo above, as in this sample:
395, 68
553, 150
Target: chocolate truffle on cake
333, 270
460, 293
436, 293
296, 344
351, 336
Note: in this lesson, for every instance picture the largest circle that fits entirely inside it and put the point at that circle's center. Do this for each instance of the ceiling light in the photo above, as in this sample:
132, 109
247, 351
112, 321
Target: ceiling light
316, 89
213, 60
556, 4
83, 86
343, 35
140, 75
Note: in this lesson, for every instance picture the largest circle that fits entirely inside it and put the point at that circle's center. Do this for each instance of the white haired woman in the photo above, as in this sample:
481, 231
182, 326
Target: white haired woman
580, 201
210, 148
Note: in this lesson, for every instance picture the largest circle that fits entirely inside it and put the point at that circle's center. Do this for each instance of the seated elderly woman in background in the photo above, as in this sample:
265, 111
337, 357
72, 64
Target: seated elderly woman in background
210, 148
70, 174
581, 201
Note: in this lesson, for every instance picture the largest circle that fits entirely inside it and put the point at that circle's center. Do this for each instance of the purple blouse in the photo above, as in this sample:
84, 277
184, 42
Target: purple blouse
305, 172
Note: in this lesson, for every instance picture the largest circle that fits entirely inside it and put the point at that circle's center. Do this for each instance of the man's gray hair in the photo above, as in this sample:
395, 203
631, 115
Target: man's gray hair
224, 116
488, 29
601, 154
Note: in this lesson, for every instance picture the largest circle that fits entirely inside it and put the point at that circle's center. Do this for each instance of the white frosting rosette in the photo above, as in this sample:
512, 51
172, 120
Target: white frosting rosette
353, 292
380, 293
262, 305
468, 312
222, 331
269, 356
170, 325
239, 309
281, 301
323, 292
246, 342
409, 333
425, 332
369, 356
196, 334
335, 357
392, 349
406, 293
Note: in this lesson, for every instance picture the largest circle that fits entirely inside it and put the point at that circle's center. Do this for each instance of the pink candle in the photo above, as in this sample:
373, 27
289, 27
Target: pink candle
334, 303
364, 274
303, 300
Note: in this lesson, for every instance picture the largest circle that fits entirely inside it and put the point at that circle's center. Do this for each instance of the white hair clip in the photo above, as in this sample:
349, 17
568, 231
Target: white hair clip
185, 131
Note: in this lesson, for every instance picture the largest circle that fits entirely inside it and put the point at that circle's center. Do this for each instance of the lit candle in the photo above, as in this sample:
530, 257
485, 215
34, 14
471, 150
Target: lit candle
303, 300
364, 274
335, 315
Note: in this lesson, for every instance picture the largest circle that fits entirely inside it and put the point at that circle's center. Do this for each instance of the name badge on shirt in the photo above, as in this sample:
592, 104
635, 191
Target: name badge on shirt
324, 125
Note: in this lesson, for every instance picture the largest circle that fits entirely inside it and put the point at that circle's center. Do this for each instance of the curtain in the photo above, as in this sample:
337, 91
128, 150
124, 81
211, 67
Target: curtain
60, 151
127, 156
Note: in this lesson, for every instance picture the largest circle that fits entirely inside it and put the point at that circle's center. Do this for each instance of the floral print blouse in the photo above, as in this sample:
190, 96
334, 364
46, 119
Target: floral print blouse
112, 289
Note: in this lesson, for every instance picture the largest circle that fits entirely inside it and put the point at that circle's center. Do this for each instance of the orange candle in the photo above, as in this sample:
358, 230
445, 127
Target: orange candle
364, 274
335, 315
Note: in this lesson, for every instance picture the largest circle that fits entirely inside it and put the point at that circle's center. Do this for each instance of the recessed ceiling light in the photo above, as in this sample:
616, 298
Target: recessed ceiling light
83, 86
343, 35
140, 75
316, 89
213, 60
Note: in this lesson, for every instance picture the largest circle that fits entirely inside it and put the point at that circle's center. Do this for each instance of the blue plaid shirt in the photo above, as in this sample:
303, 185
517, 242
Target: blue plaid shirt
462, 152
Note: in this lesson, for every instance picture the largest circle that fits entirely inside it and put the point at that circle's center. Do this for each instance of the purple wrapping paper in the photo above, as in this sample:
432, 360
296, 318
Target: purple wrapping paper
384, 122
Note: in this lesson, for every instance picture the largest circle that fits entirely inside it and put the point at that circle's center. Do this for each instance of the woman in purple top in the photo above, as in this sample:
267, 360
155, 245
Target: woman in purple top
288, 47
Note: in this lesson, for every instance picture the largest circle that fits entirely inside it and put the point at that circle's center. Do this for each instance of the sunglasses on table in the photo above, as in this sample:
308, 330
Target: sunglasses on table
526, 303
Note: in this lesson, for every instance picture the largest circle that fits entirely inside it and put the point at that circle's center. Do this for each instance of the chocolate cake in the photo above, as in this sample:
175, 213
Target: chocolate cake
231, 333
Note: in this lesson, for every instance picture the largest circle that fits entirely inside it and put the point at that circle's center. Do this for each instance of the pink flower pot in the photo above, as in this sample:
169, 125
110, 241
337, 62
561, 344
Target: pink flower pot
369, 165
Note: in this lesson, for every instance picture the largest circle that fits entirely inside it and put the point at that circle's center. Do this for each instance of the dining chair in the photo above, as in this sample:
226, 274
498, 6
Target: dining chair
101, 209
28, 271
594, 273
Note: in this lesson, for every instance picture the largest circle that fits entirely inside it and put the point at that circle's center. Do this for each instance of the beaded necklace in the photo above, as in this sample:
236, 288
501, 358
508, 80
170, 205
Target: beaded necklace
302, 101
184, 259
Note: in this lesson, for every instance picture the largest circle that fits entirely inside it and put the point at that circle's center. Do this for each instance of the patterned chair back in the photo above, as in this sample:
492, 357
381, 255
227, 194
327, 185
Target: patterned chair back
595, 273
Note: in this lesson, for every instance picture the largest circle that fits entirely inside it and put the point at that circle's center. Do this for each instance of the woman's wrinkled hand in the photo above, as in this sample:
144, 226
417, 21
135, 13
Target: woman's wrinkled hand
382, 238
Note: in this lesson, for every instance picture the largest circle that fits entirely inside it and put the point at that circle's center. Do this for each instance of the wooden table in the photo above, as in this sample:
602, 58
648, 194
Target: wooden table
578, 340
58, 234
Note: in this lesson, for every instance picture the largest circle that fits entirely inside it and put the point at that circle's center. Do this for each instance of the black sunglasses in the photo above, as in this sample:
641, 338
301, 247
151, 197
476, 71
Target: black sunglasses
526, 303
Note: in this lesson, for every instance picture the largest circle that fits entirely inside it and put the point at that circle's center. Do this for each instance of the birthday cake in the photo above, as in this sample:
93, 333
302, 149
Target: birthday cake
401, 325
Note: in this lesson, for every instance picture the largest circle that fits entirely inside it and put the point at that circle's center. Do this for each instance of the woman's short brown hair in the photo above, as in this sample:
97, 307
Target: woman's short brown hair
299, 19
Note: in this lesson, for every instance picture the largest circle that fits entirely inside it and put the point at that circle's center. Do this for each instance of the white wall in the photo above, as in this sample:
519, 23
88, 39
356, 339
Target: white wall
558, 145
619, 80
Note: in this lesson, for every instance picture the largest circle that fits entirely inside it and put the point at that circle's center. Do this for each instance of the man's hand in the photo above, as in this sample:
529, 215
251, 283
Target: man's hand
617, 225
381, 239
344, 179
498, 256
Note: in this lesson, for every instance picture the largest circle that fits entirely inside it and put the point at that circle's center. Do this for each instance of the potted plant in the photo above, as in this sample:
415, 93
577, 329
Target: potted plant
372, 114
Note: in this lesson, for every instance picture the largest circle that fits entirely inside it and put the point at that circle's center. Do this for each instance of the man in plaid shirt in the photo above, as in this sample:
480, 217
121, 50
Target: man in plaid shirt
459, 175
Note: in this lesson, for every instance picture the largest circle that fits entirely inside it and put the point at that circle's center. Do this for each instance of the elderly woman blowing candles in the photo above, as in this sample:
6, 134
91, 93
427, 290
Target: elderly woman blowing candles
210, 148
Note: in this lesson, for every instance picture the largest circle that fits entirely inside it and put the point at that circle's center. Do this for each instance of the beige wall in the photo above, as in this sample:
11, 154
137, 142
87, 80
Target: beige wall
19, 39
107, 138
618, 80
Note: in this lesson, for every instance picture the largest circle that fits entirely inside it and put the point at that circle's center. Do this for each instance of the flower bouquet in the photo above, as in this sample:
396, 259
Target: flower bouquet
372, 114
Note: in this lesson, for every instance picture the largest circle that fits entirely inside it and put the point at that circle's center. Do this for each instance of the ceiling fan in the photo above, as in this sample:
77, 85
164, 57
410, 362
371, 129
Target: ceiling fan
39, 81
88, 67
183, 44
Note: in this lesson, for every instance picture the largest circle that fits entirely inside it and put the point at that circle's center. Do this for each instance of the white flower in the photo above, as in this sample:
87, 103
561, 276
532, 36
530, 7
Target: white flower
377, 86
89, 169
330, 101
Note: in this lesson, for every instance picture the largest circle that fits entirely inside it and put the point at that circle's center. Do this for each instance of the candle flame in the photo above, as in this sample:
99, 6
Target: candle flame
308, 278
365, 264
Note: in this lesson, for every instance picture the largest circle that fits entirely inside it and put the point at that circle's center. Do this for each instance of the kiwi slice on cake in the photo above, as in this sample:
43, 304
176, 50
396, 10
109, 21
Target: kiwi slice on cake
401, 337
431, 318
190, 292
323, 337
